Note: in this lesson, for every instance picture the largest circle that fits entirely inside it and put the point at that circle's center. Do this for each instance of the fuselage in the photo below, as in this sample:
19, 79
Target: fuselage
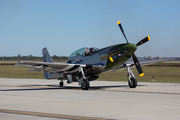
110, 57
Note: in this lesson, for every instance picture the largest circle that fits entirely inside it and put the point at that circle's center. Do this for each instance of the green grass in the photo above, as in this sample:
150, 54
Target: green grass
161, 74
10, 71
167, 74
165, 64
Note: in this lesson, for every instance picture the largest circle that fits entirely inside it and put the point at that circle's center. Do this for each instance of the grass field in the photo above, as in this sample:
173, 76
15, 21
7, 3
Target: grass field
10, 71
163, 72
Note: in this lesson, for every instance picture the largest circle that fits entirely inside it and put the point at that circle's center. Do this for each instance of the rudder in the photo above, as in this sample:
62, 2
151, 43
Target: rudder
46, 56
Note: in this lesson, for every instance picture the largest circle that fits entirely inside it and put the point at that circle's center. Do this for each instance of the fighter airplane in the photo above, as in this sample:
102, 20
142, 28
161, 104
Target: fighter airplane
84, 66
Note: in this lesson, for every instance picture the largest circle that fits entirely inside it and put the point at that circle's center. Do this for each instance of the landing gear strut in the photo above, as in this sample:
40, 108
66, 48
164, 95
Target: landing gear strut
83, 81
132, 80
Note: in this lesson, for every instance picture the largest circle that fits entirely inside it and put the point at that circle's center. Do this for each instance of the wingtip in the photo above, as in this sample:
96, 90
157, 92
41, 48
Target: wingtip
118, 22
148, 38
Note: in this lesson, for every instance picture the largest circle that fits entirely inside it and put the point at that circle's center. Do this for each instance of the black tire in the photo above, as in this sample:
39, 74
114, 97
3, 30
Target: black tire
85, 85
133, 83
61, 84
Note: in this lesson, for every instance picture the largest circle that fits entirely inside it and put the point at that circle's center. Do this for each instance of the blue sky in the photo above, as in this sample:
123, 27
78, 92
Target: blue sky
63, 26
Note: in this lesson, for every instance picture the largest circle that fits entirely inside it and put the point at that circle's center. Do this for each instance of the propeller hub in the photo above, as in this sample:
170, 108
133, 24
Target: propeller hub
131, 48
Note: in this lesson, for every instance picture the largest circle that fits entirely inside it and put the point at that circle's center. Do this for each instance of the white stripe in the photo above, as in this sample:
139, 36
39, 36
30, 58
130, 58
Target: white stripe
67, 68
76, 70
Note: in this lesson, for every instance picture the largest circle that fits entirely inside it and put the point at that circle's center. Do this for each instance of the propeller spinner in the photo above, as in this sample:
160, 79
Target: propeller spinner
136, 62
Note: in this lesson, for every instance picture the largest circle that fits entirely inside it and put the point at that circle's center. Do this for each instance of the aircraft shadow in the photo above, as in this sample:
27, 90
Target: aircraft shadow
55, 87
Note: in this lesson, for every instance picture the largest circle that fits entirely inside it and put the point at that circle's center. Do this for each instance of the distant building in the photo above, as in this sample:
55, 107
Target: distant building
148, 58
177, 58
158, 57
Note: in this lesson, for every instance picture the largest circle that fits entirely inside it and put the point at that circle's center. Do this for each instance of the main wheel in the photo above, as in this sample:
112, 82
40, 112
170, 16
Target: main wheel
132, 82
85, 85
61, 84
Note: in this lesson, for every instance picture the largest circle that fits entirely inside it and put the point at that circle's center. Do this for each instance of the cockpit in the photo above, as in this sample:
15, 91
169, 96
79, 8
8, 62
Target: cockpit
85, 51
90, 51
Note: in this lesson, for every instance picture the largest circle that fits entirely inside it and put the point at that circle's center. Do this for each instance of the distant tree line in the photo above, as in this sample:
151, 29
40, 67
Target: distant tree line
31, 57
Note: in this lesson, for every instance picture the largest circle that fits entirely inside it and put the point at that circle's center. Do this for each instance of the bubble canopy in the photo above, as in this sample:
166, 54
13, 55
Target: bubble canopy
78, 52
81, 51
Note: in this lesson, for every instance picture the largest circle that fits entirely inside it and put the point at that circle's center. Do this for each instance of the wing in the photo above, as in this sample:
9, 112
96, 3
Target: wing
72, 68
56, 67
143, 63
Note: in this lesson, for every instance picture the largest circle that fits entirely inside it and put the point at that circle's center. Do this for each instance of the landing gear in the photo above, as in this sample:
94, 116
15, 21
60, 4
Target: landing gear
132, 80
83, 81
61, 83
85, 85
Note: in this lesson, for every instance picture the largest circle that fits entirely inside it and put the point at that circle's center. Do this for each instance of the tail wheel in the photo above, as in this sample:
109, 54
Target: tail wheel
132, 82
85, 85
61, 84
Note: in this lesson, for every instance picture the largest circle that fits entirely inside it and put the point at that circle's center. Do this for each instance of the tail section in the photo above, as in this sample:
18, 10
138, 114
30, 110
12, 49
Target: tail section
46, 56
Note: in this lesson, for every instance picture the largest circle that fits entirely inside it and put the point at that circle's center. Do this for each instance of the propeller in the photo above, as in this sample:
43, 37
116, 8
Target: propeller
120, 26
138, 66
143, 41
136, 62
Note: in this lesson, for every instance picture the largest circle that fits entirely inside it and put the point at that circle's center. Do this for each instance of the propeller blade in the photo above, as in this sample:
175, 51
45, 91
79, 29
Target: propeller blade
143, 41
120, 26
138, 66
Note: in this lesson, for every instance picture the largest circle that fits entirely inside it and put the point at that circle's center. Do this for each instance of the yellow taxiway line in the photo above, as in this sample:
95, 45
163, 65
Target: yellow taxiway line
49, 115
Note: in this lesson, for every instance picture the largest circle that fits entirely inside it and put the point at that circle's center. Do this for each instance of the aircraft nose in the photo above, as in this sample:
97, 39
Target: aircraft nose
131, 48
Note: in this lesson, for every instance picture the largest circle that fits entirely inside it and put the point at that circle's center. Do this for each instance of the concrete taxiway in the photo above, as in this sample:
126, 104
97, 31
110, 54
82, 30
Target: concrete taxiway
43, 99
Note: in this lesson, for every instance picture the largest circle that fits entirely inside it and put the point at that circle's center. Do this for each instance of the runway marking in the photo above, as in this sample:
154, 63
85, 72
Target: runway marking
140, 92
26, 86
49, 115
91, 89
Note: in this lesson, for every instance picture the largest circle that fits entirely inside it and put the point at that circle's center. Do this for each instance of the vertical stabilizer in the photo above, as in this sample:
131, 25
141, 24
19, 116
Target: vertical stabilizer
46, 56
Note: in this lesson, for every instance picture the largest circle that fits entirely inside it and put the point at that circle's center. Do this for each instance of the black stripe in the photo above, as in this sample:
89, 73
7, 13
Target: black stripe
73, 68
